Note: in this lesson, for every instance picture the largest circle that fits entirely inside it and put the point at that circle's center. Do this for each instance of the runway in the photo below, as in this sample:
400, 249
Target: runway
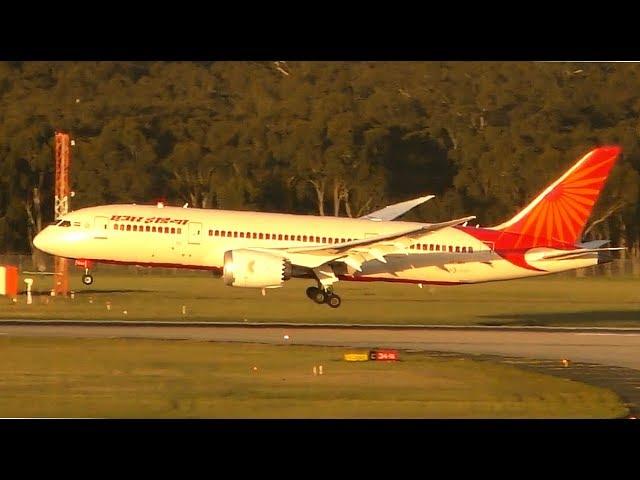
616, 347
605, 357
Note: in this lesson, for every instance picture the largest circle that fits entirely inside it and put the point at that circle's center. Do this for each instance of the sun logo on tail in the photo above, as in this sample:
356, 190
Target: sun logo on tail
560, 213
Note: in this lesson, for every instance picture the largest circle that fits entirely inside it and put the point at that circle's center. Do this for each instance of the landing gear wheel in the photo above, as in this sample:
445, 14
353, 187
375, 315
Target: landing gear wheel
334, 300
320, 296
87, 279
311, 292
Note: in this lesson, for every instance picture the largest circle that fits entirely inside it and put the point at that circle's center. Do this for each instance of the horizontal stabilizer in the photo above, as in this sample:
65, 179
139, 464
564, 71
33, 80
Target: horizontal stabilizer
578, 253
593, 244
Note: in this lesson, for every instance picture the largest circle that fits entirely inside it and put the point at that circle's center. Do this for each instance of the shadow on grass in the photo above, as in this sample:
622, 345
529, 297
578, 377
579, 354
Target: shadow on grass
603, 317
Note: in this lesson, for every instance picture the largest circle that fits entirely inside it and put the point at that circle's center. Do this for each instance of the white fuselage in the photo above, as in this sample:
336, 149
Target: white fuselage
198, 239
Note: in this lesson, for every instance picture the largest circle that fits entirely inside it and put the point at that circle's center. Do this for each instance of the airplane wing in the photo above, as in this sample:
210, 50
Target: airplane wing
338, 248
391, 212
356, 252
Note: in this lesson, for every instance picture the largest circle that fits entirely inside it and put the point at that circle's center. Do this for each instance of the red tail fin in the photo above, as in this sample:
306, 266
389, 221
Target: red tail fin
560, 212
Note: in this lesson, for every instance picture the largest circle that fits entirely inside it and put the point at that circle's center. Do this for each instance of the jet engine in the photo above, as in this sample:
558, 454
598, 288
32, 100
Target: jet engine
247, 268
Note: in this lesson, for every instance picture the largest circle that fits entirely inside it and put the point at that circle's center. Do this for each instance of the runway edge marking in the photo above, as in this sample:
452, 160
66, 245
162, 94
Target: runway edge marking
133, 323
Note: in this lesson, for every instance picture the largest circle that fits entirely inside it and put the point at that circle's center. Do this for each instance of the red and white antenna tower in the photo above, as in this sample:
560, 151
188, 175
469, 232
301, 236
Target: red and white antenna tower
61, 206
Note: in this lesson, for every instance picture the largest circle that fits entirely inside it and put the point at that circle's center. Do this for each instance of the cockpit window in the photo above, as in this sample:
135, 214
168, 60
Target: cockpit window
64, 223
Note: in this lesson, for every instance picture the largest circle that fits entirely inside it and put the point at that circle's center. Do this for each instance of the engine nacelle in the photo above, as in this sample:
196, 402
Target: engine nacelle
246, 268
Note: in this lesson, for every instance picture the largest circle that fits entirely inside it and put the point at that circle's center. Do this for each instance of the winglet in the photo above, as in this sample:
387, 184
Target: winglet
391, 212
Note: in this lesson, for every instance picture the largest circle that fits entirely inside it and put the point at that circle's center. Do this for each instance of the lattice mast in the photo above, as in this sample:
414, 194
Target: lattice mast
61, 206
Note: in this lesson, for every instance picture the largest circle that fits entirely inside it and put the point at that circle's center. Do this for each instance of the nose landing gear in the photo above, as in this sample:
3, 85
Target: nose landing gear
87, 278
327, 296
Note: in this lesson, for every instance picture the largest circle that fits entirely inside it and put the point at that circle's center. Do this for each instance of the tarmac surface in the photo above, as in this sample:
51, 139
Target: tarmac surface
618, 347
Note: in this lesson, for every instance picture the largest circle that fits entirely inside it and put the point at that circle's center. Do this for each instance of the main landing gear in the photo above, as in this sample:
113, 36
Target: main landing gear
327, 296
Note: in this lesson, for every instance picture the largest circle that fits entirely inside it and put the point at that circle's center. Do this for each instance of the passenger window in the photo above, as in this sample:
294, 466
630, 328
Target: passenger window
324, 239
241, 234
330, 240
431, 247
153, 229
115, 226
279, 236
450, 249
223, 233
173, 230
267, 236
304, 238
470, 249
179, 231
128, 228
148, 228
437, 248
166, 230
260, 236
457, 249
464, 249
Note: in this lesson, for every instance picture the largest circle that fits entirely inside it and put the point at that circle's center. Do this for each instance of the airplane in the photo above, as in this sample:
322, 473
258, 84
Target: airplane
264, 250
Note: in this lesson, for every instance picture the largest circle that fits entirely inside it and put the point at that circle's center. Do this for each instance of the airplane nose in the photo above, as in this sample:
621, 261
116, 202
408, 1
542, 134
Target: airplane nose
39, 241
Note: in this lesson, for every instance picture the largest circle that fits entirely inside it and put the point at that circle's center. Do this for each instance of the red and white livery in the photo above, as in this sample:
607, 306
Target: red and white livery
264, 250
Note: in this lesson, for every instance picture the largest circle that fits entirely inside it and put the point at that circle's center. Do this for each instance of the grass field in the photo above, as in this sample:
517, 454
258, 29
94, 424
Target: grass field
552, 300
125, 378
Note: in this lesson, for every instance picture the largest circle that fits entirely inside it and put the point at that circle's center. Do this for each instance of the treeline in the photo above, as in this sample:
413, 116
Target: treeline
334, 138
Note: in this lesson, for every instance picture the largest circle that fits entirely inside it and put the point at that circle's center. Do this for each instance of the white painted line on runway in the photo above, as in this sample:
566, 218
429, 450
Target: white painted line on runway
612, 334
366, 326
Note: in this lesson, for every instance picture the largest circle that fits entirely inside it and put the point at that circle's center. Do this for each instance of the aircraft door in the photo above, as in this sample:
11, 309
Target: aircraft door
195, 233
100, 227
